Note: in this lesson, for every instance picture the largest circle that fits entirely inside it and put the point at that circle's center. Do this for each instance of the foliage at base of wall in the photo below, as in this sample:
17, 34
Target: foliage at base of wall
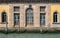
31, 31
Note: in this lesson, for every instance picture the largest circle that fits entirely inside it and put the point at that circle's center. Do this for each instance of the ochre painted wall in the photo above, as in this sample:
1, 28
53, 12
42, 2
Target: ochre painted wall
54, 8
4, 8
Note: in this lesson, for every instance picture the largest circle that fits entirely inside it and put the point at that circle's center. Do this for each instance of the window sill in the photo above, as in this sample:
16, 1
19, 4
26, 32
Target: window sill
56, 23
16, 11
3, 23
29, 24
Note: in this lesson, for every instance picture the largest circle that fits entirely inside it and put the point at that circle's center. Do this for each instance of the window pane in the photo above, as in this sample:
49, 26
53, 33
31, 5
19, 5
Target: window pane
16, 18
16, 8
42, 8
29, 16
55, 17
4, 17
42, 18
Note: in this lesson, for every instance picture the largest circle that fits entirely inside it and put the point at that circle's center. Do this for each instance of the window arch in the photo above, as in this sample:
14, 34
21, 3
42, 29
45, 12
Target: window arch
4, 17
29, 16
55, 15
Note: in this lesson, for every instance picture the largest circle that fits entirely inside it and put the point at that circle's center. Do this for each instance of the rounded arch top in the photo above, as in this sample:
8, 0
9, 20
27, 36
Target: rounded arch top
55, 12
3, 12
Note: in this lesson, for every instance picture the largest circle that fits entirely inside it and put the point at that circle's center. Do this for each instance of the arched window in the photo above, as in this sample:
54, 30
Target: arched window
4, 17
55, 17
29, 16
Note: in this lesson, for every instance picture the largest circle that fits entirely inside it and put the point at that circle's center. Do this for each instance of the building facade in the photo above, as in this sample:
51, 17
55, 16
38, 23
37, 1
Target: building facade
26, 14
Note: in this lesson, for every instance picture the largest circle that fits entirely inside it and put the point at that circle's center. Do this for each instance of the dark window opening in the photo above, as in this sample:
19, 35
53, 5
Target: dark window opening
4, 17
55, 17
16, 8
42, 8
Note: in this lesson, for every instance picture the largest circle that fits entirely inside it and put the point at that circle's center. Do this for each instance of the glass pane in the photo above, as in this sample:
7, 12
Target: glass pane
16, 18
29, 11
55, 17
16, 8
29, 16
42, 8
3, 17
42, 19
